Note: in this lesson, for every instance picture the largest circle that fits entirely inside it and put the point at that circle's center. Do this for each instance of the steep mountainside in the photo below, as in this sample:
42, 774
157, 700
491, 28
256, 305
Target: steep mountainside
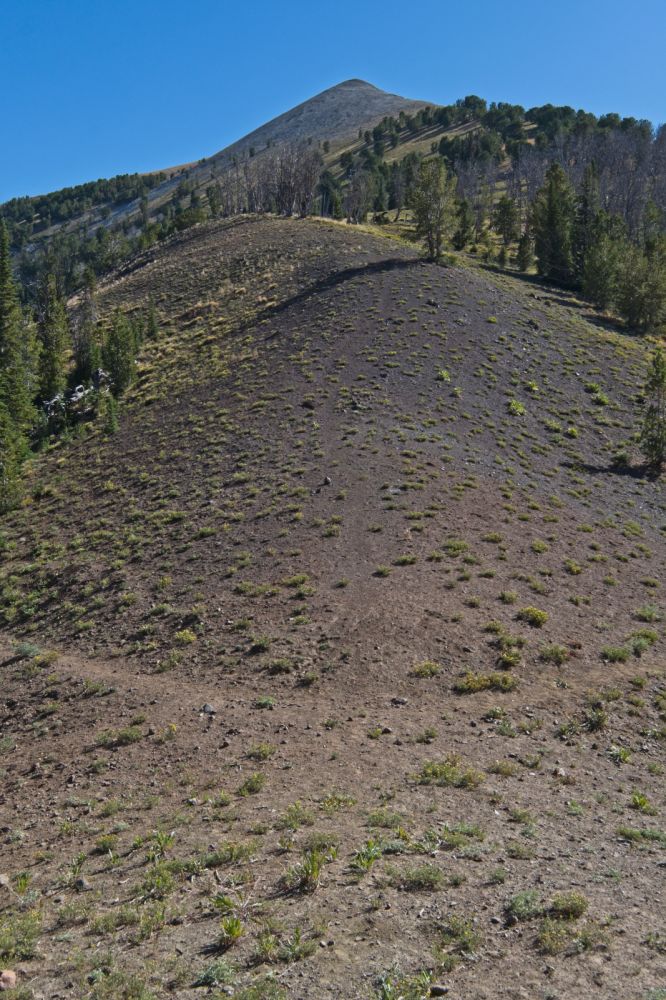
338, 671
335, 114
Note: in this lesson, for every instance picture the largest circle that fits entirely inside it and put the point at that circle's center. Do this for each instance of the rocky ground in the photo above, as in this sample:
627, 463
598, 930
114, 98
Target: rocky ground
338, 670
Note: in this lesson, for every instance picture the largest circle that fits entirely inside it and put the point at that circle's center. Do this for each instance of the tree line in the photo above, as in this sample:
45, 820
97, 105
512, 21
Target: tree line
26, 217
42, 353
569, 235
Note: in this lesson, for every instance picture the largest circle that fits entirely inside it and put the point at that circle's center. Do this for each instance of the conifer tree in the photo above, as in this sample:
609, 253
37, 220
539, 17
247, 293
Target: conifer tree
641, 286
118, 353
17, 352
524, 256
54, 339
505, 219
465, 229
587, 221
600, 270
653, 432
17, 379
10, 448
87, 355
552, 225
433, 202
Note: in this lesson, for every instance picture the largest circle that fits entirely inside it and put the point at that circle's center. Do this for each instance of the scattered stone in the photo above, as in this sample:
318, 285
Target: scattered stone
436, 990
7, 980
208, 710
82, 885
399, 701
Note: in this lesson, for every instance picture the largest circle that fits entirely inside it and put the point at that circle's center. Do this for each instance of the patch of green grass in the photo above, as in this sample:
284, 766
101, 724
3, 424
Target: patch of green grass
449, 772
252, 785
615, 654
111, 738
637, 836
428, 668
473, 682
421, 877
18, 936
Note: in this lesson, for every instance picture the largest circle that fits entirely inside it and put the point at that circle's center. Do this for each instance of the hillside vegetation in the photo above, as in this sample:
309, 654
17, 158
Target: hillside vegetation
334, 667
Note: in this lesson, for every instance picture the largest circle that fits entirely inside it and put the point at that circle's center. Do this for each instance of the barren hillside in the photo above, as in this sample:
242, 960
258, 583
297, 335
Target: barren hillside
335, 114
338, 671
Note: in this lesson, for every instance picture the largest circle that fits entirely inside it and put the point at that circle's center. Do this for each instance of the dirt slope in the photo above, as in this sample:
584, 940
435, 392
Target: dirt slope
345, 484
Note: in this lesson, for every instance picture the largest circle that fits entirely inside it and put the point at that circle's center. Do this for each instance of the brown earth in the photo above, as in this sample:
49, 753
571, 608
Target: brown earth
341, 478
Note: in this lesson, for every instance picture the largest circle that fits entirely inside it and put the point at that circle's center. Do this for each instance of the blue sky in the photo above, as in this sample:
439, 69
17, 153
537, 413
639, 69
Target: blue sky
92, 88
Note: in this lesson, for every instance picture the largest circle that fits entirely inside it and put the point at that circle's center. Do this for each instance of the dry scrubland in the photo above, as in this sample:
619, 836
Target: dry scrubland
362, 508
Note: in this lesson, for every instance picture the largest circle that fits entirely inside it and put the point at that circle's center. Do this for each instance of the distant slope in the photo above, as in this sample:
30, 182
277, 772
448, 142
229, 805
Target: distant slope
335, 114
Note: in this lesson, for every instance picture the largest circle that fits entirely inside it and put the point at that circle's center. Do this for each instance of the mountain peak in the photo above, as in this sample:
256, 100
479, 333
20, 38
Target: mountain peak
336, 113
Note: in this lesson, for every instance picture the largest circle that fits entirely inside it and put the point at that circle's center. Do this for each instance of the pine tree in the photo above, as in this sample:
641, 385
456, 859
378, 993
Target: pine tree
118, 354
465, 229
587, 221
9, 306
552, 225
55, 341
505, 219
87, 354
641, 286
17, 379
17, 352
433, 202
524, 256
10, 448
653, 432
600, 270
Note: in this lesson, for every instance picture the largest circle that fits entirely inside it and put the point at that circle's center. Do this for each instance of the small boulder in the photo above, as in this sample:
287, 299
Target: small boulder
7, 980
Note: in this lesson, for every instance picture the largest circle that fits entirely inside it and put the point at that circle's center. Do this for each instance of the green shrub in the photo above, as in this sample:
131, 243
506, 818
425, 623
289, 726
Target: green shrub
554, 654
533, 616
523, 906
18, 936
568, 905
426, 669
473, 682
449, 771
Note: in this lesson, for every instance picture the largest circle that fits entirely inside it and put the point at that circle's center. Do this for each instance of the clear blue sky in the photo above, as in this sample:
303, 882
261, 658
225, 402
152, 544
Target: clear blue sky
93, 88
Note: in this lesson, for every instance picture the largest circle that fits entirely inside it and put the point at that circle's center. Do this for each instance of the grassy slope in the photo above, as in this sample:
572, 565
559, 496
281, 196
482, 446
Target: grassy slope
294, 352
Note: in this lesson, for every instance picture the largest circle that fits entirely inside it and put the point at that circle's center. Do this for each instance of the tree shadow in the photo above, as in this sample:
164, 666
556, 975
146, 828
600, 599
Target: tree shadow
644, 471
326, 284
561, 296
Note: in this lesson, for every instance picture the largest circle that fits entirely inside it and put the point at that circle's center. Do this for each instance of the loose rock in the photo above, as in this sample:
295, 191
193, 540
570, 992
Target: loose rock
7, 980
